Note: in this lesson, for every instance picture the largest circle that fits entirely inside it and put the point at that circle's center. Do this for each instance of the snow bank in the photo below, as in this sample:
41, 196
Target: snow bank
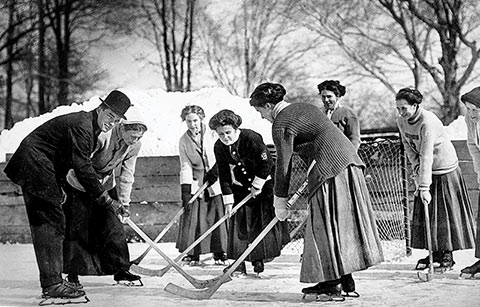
457, 130
160, 110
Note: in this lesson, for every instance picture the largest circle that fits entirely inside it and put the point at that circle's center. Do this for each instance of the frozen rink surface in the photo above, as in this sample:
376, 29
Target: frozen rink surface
388, 284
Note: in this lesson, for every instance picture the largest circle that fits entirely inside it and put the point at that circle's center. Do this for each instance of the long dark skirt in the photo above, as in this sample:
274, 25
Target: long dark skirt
477, 237
95, 242
197, 220
341, 236
451, 217
250, 220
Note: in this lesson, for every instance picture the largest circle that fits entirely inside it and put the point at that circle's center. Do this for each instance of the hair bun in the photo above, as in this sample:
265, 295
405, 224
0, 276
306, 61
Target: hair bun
333, 86
267, 93
223, 118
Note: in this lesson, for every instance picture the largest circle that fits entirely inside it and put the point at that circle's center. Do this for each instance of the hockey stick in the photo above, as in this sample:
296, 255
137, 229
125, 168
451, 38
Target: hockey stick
161, 272
207, 293
422, 275
199, 284
167, 228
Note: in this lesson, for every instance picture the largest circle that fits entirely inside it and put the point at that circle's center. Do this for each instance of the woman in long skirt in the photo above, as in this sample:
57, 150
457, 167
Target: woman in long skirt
439, 182
245, 167
197, 165
472, 118
341, 235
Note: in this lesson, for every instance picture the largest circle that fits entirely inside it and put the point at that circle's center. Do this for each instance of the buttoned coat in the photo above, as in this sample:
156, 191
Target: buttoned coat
43, 158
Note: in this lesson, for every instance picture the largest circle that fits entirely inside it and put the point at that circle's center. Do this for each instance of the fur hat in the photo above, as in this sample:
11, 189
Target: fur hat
118, 102
473, 97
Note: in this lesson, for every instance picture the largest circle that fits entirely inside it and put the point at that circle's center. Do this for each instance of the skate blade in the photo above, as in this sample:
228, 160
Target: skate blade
125, 283
63, 300
351, 294
239, 275
314, 297
468, 276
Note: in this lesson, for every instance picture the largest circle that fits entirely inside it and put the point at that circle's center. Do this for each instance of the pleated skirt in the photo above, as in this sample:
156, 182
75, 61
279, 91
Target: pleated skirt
341, 235
197, 220
451, 217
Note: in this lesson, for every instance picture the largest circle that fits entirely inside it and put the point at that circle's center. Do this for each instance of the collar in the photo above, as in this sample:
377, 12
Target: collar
202, 131
279, 107
416, 115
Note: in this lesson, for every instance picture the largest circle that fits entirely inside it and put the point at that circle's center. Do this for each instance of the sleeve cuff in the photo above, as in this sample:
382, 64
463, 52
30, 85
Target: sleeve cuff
258, 182
228, 199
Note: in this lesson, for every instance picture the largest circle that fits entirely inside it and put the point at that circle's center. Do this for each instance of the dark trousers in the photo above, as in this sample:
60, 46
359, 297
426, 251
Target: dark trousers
47, 225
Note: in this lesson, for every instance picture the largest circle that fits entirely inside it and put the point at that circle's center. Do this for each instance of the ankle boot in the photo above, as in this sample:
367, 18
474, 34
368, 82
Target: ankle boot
472, 270
331, 287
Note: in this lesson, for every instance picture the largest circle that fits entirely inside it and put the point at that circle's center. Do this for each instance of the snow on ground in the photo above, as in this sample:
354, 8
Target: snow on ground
161, 111
388, 284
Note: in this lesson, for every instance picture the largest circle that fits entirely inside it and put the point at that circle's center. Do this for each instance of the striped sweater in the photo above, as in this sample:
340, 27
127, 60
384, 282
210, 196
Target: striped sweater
304, 129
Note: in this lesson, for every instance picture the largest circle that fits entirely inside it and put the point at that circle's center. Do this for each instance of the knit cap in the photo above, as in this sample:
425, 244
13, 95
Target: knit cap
473, 97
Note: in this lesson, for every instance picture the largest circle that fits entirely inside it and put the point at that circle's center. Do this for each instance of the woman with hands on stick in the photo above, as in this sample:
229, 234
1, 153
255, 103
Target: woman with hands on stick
341, 236
245, 167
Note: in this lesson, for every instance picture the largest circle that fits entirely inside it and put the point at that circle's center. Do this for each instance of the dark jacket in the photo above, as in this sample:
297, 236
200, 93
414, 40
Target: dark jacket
44, 157
246, 159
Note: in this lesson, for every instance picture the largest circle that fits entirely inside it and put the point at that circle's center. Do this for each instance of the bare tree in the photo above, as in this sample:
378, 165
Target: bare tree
386, 38
42, 108
453, 22
256, 45
169, 25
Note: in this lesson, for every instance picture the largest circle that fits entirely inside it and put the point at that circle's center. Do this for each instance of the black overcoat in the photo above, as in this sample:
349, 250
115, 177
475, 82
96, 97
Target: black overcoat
43, 158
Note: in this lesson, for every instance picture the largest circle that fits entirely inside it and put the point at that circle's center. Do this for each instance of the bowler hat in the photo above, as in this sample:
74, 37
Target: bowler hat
118, 102
473, 97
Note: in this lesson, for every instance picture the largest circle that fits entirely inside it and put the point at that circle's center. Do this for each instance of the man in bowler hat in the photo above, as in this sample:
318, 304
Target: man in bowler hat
40, 165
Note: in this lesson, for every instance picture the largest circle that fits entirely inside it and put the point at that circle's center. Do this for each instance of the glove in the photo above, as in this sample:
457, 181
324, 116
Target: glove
186, 195
425, 196
255, 192
210, 177
119, 209
229, 209
280, 204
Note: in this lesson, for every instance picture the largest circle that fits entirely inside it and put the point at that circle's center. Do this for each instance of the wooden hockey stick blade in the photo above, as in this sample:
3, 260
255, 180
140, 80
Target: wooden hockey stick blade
199, 284
425, 277
207, 293
167, 228
164, 270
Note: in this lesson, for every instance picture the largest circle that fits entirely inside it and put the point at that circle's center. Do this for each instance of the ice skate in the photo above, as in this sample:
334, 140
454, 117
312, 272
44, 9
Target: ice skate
258, 267
191, 260
220, 258
472, 270
348, 286
128, 279
328, 291
72, 281
424, 263
61, 294
446, 263
240, 271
